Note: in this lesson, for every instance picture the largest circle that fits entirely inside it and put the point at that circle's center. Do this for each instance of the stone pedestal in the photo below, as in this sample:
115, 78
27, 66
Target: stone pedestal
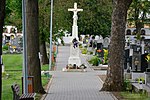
75, 32
127, 76
74, 56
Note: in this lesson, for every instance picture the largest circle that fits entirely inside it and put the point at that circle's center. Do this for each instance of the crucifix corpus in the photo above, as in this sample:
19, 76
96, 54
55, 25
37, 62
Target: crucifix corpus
75, 18
74, 58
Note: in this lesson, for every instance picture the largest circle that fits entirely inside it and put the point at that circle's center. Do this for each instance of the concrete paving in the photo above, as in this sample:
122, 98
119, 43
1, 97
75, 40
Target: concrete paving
75, 85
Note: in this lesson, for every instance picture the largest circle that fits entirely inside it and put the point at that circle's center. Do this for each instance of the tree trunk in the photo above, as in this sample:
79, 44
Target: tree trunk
2, 16
44, 53
34, 68
114, 80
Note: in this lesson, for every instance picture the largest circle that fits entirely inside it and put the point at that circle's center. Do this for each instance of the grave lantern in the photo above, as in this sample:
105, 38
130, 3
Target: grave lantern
143, 32
128, 32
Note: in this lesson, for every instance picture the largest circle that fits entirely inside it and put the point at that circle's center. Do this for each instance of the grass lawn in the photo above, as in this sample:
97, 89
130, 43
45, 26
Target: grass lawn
13, 73
134, 96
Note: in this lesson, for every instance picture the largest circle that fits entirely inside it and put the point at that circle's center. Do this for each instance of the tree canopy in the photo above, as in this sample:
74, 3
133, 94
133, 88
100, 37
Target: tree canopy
14, 13
95, 18
138, 13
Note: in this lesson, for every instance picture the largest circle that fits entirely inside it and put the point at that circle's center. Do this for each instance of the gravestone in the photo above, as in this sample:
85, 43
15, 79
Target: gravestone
106, 42
147, 45
143, 32
136, 62
100, 43
142, 47
128, 32
96, 38
126, 58
74, 48
144, 63
147, 78
90, 44
100, 46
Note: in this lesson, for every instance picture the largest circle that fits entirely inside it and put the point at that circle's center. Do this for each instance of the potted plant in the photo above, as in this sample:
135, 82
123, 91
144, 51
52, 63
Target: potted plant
148, 61
94, 61
105, 61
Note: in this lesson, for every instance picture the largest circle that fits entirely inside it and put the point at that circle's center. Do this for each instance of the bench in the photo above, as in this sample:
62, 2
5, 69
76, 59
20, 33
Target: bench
137, 87
16, 96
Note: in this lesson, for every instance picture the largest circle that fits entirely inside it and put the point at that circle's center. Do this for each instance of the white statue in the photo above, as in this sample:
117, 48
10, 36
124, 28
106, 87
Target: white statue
75, 18
74, 48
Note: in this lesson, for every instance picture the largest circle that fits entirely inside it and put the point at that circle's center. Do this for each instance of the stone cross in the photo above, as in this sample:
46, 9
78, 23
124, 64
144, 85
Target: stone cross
74, 58
75, 18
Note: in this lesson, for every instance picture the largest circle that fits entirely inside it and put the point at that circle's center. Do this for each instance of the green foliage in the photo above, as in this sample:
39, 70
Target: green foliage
14, 77
141, 79
105, 56
134, 96
147, 58
91, 52
5, 47
14, 13
95, 18
84, 51
127, 85
45, 67
44, 20
94, 61
80, 46
13, 61
4, 74
138, 13
138, 36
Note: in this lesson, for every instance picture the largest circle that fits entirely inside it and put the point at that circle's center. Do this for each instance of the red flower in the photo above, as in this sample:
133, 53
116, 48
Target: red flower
99, 50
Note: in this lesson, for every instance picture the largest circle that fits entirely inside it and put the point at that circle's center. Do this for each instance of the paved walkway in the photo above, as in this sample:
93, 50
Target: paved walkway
75, 85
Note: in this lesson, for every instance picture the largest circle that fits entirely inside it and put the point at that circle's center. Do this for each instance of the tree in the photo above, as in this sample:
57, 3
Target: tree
95, 18
14, 13
34, 68
114, 80
2, 16
137, 14
44, 20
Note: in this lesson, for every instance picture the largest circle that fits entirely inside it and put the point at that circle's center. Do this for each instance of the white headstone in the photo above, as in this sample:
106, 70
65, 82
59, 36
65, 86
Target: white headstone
131, 52
106, 42
100, 40
143, 46
96, 37
74, 50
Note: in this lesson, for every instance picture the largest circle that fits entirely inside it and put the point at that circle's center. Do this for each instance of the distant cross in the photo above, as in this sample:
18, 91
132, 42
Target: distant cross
75, 10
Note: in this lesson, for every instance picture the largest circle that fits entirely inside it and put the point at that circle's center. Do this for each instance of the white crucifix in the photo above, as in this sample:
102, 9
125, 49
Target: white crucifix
75, 18
74, 50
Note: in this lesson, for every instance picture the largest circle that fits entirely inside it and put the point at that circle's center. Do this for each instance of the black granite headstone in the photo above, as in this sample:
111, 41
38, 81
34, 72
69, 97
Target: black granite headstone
128, 32
143, 32
126, 58
144, 63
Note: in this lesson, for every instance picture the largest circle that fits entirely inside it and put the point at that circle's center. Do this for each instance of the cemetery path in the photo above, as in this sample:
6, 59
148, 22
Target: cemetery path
75, 85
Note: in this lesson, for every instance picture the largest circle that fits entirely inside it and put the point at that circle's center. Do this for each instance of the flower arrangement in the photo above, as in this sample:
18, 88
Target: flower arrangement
95, 61
105, 56
99, 50
147, 58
